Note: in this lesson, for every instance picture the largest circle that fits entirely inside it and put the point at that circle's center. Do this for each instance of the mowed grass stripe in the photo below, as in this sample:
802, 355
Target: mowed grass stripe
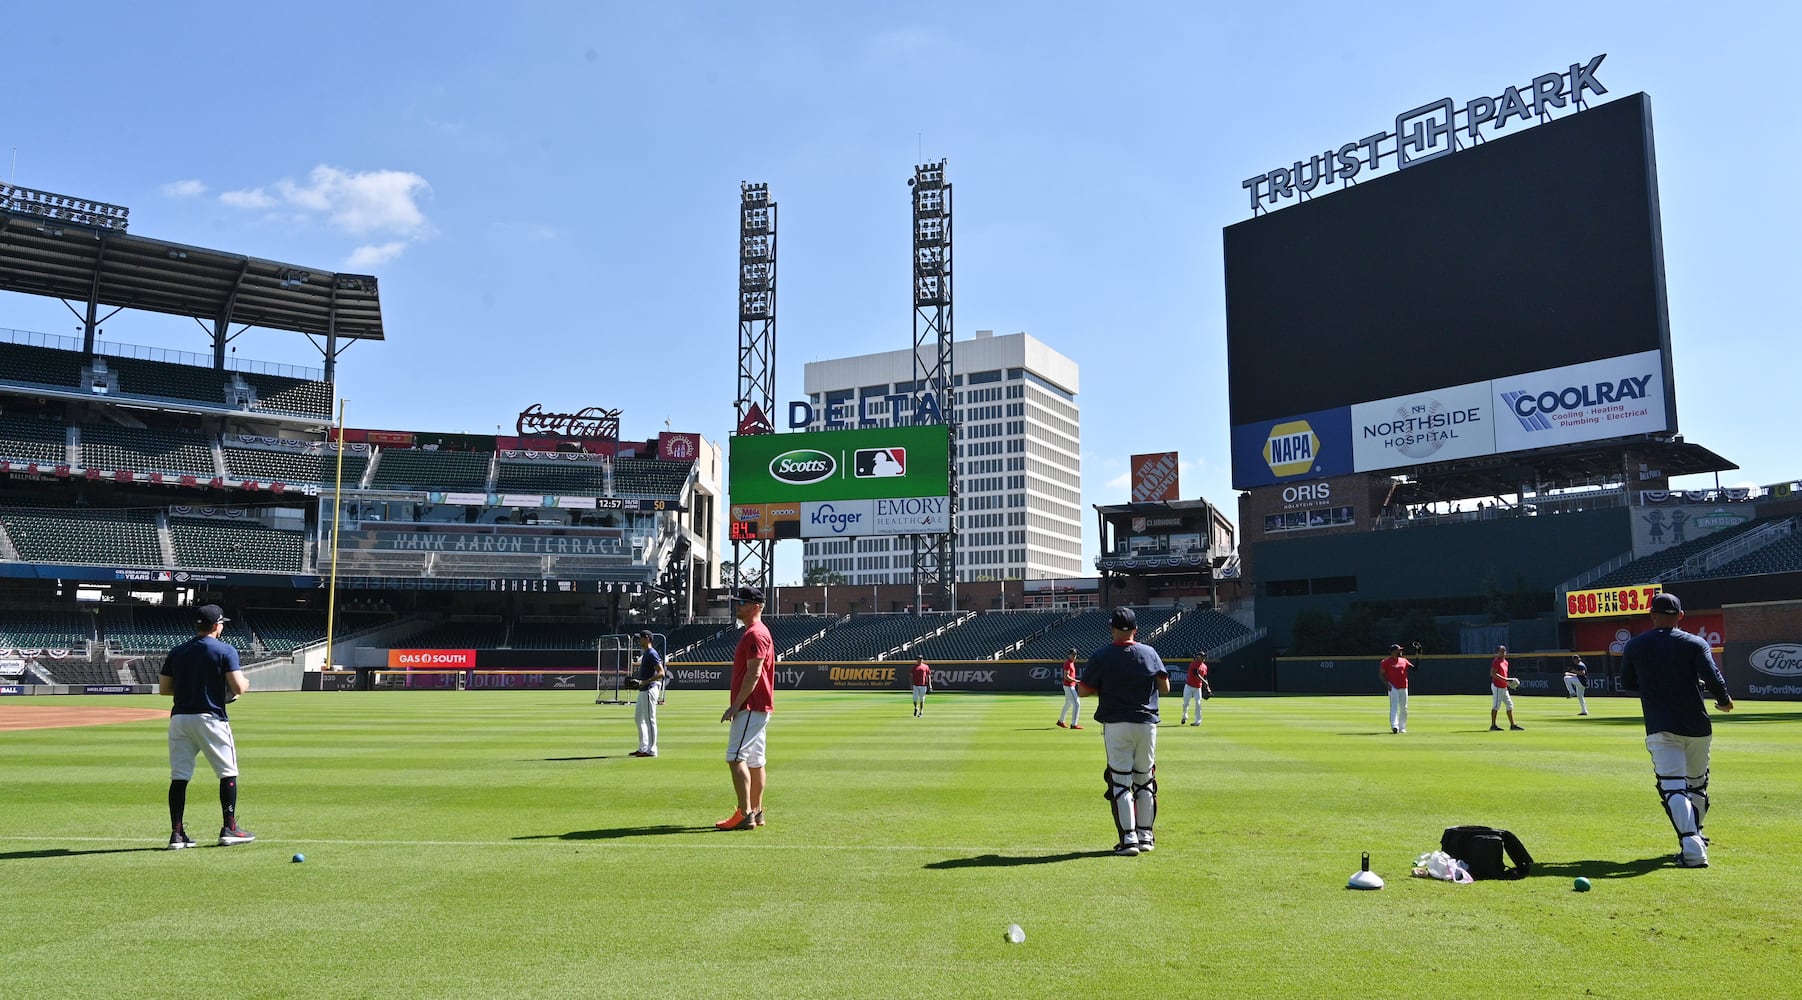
898, 849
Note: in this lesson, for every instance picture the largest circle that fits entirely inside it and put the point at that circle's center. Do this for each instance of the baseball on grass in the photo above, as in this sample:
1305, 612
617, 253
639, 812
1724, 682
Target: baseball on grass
1581, 885
298, 858
1015, 935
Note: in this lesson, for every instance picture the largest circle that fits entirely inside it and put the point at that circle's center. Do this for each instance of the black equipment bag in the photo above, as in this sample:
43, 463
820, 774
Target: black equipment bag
1481, 848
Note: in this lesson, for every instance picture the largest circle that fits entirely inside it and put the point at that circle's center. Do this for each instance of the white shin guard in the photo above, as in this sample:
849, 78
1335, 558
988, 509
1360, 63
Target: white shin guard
1122, 802
1145, 802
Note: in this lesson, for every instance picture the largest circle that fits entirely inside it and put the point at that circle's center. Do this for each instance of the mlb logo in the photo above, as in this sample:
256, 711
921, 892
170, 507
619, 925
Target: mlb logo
880, 463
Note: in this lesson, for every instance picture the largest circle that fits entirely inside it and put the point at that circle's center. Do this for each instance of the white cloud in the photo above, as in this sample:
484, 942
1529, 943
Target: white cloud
365, 257
252, 198
360, 203
184, 189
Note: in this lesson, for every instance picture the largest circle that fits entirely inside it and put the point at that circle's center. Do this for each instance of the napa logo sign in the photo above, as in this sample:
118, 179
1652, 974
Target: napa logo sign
803, 466
1307, 445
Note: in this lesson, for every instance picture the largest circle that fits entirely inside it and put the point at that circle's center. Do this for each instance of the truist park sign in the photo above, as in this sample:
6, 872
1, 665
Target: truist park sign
1425, 133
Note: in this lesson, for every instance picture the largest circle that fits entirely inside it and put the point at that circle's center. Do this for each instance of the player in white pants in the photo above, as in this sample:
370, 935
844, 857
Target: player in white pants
1126, 678
650, 693
1576, 683
1072, 702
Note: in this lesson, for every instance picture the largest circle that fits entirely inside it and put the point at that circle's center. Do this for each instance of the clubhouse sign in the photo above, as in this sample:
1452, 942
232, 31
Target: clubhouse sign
1593, 401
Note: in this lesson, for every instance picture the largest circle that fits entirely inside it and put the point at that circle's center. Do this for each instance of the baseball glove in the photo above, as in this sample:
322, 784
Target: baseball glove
1514, 683
633, 682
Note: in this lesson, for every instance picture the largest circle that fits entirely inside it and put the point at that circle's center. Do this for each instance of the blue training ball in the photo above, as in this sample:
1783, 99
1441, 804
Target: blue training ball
1582, 885
298, 858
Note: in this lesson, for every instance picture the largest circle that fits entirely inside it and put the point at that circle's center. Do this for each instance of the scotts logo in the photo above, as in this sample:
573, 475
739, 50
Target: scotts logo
1778, 661
803, 466
1291, 448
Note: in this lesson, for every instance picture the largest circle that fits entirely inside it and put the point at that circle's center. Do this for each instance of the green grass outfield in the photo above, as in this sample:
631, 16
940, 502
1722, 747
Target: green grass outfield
502, 844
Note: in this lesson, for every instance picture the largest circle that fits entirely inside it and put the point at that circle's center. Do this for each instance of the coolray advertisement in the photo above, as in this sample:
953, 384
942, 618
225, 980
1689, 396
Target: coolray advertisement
1611, 398
1423, 427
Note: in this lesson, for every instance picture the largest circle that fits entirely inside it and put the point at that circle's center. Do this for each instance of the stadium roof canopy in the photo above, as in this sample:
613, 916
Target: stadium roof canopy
66, 260
1575, 465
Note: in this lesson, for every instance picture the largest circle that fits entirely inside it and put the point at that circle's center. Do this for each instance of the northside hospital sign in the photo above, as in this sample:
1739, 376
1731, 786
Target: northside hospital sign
1425, 133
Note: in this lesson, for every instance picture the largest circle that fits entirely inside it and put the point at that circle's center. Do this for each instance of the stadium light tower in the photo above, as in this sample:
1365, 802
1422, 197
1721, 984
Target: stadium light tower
754, 561
935, 556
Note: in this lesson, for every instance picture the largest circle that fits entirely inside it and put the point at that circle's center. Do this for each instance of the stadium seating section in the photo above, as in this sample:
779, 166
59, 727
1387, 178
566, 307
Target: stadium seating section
561, 635
40, 366
33, 439
461, 471
1781, 556
786, 631
1196, 631
650, 477
24, 629
1087, 631
83, 535
139, 449
280, 394
292, 467
166, 380
458, 635
865, 637
981, 636
208, 543
1653, 566
148, 628
684, 636
559, 478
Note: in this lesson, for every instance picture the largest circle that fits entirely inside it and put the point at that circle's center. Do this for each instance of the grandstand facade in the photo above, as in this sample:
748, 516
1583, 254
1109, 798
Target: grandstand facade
1019, 465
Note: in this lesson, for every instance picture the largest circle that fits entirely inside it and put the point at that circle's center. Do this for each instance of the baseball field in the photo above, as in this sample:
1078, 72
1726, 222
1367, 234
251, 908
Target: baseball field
504, 844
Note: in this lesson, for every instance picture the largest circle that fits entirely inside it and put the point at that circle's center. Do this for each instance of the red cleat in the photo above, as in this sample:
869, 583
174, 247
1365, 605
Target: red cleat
737, 821
1075, 727
1060, 724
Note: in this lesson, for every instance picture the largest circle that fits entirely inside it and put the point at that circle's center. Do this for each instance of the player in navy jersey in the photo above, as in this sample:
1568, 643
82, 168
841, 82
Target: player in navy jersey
1665, 666
1126, 678
203, 676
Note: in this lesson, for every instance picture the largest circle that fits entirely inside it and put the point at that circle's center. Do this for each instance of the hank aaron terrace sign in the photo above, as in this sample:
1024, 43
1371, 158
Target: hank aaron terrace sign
1427, 132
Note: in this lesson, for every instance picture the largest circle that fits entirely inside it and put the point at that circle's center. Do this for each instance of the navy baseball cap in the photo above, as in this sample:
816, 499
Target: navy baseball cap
1667, 604
210, 614
646, 634
1124, 619
748, 595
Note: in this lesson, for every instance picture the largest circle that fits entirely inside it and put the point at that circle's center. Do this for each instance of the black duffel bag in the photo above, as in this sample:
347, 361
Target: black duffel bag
1482, 848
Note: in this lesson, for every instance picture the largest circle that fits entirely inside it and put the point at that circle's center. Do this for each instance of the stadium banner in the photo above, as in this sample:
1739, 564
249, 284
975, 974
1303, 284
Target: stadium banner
1765, 670
1593, 401
838, 518
888, 675
1156, 477
431, 659
1313, 445
912, 516
1436, 426
109, 689
12, 689
59, 571
1610, 602
1539, 674
1663, 527
1598, 635
865, 464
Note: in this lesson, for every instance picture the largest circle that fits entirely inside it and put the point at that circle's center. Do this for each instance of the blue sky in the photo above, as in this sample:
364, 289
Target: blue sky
549, 194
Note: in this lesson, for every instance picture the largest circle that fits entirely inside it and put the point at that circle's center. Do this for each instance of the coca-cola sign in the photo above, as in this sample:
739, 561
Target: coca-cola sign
590, 422
1782, 660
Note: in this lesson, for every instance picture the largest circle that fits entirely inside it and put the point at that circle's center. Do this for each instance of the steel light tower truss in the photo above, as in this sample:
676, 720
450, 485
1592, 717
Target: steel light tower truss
755, 400
934, 556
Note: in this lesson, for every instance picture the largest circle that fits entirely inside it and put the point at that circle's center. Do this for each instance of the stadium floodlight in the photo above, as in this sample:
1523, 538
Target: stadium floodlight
46, 205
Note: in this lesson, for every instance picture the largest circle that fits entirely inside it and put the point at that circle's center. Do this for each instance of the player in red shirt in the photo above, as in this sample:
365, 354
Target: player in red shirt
1072, 703
753, 699
1394, 670
922, 677
1499, 697
1195, 687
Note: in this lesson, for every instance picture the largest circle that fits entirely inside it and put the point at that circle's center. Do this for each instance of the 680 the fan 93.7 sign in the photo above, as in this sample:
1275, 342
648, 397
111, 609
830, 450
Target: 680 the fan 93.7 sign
1610, 602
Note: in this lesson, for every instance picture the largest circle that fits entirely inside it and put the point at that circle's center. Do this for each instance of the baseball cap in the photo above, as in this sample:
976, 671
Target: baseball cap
646, 634
210, 614
1667, 604
1124, 619
1395, 645
748, 595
